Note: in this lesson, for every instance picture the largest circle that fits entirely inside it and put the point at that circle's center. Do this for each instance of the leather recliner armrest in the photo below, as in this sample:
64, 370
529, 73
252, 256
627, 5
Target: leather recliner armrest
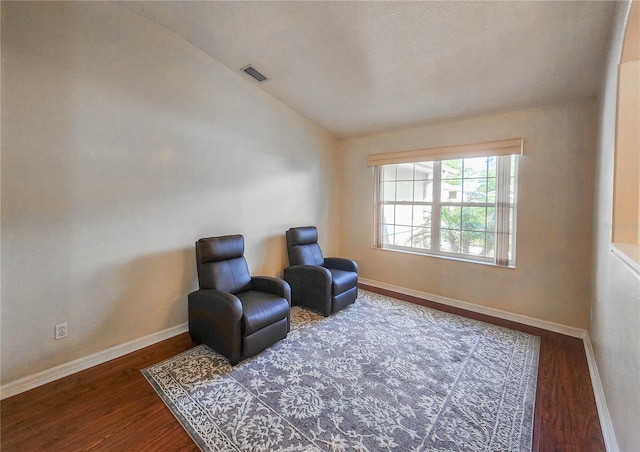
218, 302
340, 263
310, 286
272, 285
215, 319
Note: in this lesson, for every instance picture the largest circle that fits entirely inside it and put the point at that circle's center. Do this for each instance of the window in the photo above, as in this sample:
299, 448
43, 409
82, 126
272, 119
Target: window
625, 234
460, 208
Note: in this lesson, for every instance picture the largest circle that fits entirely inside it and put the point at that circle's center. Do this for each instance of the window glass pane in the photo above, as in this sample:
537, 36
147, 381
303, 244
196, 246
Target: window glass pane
491, 246
404, 214
422, 216
389, 172
450, 240
423, 171
405, 171
512, 190
491, 190
423, 191
388, 191
421, 238
451, 169
403, 236
491, 218
451, 190
492, 162
404, 191
388, 215
512, 179
475, 167
475, 190
450, 217
388, 232
473, 243
512, 236
474, 218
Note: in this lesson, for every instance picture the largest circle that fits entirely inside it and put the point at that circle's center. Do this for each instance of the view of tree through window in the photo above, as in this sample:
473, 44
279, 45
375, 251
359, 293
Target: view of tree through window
449, 207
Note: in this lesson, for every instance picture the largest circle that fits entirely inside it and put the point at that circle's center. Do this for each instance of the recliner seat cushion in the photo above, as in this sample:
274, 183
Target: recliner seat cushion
342, 280
260, 309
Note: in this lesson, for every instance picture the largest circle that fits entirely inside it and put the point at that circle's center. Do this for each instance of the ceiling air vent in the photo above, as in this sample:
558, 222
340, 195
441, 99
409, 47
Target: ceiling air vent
253, 73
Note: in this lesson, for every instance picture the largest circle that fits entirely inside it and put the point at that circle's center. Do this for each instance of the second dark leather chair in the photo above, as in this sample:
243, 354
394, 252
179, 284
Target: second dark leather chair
323, 284
234, 313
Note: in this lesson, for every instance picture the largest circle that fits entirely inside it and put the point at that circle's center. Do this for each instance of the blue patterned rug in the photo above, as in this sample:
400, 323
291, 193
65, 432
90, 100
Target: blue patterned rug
381, 374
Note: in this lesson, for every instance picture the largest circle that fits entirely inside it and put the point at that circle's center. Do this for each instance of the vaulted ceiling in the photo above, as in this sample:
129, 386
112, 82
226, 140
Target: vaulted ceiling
356, 68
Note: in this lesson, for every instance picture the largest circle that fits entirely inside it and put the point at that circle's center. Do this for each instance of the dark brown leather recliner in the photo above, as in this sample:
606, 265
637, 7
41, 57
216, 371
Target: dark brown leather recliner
233, 313
323, 284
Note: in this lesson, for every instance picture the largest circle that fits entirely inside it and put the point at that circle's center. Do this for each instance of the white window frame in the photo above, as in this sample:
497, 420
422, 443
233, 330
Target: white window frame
504, 205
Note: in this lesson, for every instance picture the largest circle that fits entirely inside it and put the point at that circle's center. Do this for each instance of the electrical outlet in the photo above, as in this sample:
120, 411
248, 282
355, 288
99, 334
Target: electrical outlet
62, 331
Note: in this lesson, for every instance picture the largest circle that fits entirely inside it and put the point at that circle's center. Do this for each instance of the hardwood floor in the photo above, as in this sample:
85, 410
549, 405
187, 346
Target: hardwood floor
111, 407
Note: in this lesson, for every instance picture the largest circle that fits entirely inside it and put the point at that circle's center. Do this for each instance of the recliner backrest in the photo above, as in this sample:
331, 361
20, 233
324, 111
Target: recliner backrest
221, 264
302, 246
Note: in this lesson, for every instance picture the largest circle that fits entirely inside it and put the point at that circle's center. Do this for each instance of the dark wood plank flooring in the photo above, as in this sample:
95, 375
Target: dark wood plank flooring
111, 407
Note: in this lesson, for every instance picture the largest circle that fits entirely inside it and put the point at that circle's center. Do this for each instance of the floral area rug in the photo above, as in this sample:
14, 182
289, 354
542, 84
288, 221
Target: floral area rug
382, 374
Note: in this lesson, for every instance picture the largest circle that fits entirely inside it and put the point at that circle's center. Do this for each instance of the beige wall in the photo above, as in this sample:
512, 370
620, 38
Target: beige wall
615, 313
551, 280
122, 144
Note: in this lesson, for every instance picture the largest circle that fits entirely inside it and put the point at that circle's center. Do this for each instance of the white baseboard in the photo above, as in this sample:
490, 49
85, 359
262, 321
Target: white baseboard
606, 425
505, 315
63, 370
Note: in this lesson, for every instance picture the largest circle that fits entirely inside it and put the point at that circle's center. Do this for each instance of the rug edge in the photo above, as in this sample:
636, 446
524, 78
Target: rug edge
168, 403
535, 363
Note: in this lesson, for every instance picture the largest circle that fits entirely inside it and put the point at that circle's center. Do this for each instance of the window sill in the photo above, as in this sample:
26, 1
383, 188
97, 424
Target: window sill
442, 256
629, 254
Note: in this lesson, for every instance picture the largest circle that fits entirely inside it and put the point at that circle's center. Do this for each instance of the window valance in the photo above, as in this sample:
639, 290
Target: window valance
491, 148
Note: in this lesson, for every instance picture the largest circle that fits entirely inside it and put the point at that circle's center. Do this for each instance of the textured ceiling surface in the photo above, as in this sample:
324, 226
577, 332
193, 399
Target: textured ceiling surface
357, 68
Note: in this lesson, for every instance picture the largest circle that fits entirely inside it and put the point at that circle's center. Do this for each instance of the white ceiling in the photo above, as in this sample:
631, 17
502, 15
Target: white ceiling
356, 68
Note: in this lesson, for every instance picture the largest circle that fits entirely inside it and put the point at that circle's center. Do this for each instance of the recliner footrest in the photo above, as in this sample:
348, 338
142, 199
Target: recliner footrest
267, 336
